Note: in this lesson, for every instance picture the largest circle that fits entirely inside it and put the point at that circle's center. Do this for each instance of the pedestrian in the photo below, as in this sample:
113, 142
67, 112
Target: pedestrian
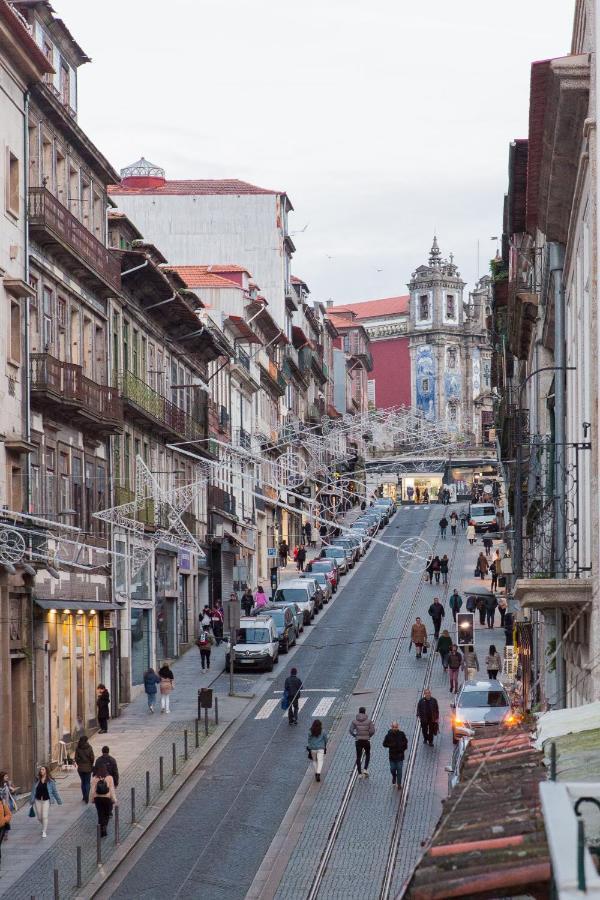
216, 619
260, 598
205, 620
409, 493
494, 574
102, 704
444, 563
151, 680
490, 609
482, 566
493, 662
167, 683
481, 609
205, 643
397, 745
455, 659
437, 567
362, 730
308, 533
247, 601
418, 495
509, 623
470, 663
284, 552
103, 797
447, 496
455, 603
471, 603
453, 522
43, 793
437, 613
292, 687
418, 637
487, 544
444, 646
428, 714
464, 519
5, 817
301, 558
443, 526
323, 531
7, 792
425, 496
317, 746
471, 534
429, 569
109, 763
84, 760
502, 607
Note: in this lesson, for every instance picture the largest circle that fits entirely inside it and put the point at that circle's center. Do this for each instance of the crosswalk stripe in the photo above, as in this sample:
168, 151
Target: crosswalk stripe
323, 706
301, 703
267, 708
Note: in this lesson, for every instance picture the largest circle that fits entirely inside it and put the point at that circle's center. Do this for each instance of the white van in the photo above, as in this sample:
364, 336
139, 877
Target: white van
257, 645
483, 517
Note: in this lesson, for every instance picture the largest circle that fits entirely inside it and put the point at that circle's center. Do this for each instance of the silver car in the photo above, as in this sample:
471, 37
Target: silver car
480, 703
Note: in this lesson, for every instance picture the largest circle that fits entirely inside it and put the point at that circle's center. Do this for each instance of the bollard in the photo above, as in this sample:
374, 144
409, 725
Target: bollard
216, 710
147, 788
552, 761
133, 806
206, 722
117, 835
581, 880
98, 845
161, 772
185, 744
56, 891
197, 735
174, 747
78, 867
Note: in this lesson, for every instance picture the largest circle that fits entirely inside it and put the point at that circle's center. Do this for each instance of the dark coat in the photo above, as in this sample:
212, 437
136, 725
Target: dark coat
84, 757
437, 612
110, 764
102, 703
396, 743
455, 602
445, 646
491, 603
301, 555
428, 710
454, 660
293, 686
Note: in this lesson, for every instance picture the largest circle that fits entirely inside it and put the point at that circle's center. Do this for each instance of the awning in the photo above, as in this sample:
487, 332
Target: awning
237, 540
74, 605
242, 330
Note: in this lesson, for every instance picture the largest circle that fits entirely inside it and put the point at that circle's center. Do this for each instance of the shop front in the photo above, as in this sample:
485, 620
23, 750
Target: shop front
167, 596
421, 487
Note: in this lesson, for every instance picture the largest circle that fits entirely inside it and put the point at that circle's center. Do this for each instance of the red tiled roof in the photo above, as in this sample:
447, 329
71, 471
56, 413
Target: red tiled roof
387, 306
205, 186
200, 276
219, 269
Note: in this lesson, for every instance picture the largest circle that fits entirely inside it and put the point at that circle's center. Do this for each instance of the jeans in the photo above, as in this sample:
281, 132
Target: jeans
437, 577
293, 710
444, 578
151, 700
437, 624
317, 757
362, 745
205, 657
444, 659
42, 808
104, 807
502, 614
489, 616
396, 770
443, 533
85, 778
427, 730
492, 673
453, 680
453, 530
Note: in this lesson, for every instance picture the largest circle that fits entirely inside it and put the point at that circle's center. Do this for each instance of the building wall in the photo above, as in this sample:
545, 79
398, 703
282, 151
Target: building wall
391, 372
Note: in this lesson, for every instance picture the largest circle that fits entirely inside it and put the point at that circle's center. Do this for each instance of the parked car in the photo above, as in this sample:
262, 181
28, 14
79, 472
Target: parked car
370, 523
299, 592
353, 546
329, 567
388, 503
315, 590
363, 532
483, 517
339, 555
257, 644
323, 582
480, 703
285, 624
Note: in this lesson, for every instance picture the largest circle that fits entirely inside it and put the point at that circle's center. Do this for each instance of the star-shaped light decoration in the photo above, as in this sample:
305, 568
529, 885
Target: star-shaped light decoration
167, 505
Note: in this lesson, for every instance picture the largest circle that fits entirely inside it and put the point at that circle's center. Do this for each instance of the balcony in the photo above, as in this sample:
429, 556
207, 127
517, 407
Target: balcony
243, 438
54, 228
243, 359
145, 514
272, 378
151, 408
357, 346
312, 362
221, 500
61, 388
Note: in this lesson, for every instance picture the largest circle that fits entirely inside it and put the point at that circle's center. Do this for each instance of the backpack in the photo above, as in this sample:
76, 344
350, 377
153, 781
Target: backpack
102, 789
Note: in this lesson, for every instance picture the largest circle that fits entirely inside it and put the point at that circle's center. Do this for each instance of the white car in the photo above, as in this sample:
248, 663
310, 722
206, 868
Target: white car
483, 517
298, 591
257, 644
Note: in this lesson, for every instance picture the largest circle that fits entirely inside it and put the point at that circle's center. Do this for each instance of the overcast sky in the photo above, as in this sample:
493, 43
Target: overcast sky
382, 119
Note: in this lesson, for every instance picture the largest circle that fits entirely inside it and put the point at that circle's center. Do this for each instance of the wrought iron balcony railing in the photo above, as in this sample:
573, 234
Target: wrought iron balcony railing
156, 409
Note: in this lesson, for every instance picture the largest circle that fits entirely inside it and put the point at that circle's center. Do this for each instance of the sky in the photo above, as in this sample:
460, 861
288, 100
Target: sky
382, 120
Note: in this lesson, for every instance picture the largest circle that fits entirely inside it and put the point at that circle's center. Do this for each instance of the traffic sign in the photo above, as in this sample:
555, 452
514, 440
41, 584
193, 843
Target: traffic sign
271, 552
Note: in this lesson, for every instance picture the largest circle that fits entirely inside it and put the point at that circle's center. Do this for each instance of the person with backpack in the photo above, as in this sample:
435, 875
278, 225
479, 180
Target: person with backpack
443, 526
84, 760
167, 683
455, 603
362, 730
455, 659
204, 643
490, 609
429, 569
292, 687
482, 566
217, 615
502, 607
151, 681
464, 519
317, 746
494, 574
470, 663
103, 797
397, 745
480, 604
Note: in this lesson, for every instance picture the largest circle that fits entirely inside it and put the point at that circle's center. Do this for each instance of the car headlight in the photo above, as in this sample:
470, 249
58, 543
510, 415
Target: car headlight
264, 652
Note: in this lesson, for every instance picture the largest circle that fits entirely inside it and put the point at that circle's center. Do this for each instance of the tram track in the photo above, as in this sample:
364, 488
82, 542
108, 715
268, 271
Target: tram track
328, 851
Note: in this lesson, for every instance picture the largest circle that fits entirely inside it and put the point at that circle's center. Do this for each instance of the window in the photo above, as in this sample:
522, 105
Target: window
452, 358
65, 84
486, 375
78, 488
50, 458
14, 337
450, 306
135, 353
125, 346
453, 413
346, 343
127, 461
100, 497
423, 307
425, 384
48, 331
36, 488
63, 470
12, 183
16, 488
49, 54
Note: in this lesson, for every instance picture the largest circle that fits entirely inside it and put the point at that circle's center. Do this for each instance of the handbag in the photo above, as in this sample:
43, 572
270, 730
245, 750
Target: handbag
436, 728
31, 812
425, 646
477, 572
285, 700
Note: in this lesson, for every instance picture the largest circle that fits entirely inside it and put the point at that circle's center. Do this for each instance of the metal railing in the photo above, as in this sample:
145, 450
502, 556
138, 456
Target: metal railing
67, 384
243, 359
158, 409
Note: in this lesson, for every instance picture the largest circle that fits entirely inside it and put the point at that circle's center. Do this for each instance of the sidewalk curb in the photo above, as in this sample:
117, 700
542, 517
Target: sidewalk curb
106, 870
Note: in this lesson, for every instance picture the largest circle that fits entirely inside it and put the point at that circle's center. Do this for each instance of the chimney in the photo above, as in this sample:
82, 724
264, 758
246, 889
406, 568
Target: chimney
329, 304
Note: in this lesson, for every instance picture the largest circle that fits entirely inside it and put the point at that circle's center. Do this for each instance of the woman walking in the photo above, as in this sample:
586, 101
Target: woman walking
7, 792
102, 704
471, 534
436, 566
317, 746
444, 568
493, 662
429, 570
151, 682
43, 793
167, 683
444, 647
84, 760
502, 607
260, 598
418, 637
482, 565
470, 663
103, 797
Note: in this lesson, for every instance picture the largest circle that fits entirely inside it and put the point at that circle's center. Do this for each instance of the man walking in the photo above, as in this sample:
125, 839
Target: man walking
301, 557
490, 609
109, 763
362, 730
437, 613
455, 603
284, 551
443, 527
397, 744
428, 714
453, 522
454, 663
308, 533
293, 686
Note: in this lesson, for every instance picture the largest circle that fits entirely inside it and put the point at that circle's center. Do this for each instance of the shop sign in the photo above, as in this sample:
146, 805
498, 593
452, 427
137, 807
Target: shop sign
184, 561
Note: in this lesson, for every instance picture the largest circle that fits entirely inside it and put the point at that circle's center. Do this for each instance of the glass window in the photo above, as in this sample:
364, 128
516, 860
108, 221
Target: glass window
479, 699
424, 306
254, 636
78, 488
50, 457
450, 306
140, 644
